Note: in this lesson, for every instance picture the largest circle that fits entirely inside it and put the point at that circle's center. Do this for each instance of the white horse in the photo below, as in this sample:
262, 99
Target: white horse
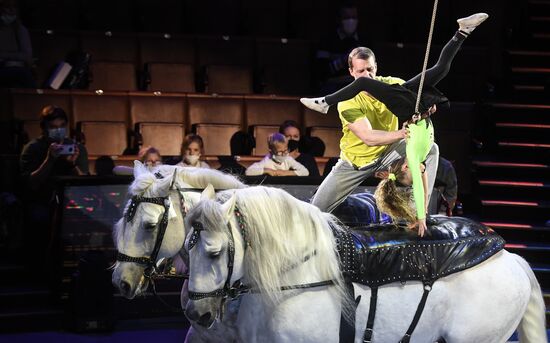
135, 236
276, 240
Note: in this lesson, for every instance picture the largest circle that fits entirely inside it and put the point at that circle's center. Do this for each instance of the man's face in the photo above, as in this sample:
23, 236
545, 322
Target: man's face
363, 68
56, 124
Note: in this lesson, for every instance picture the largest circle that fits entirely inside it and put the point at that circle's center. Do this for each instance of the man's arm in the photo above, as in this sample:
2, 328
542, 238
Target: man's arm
363, 129
297, 167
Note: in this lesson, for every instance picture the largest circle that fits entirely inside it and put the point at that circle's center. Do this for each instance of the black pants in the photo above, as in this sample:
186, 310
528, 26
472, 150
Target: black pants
401, 99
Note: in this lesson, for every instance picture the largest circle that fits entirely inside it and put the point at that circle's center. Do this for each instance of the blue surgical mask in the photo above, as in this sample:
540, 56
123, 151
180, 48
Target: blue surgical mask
57, 134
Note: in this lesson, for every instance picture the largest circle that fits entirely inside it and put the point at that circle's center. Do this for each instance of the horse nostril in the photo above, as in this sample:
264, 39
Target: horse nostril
125, 287
204, 320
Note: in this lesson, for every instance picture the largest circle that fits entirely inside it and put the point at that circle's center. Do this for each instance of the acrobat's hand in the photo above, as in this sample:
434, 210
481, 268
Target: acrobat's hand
421, 227
432, 109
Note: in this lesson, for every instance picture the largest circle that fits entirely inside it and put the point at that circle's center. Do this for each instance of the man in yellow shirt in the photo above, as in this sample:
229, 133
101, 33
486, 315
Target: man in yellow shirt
371, 138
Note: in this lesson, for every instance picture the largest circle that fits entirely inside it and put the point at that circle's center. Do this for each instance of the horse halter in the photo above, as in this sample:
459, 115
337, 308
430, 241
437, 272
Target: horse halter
228, 290
149, 261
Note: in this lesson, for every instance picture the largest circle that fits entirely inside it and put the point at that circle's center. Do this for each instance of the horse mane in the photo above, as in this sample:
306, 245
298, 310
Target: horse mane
281, 231
188, 177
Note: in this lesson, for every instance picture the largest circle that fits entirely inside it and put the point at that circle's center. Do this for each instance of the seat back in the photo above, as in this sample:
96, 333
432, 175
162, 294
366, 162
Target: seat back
104, 138
260, 134
216, 137
330, 136
166, 137
229, 79
114, 76
171, 77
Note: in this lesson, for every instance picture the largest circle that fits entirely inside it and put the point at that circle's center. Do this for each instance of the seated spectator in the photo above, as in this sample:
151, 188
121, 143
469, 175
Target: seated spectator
15, 49
290, 130
41, 161
149, 156
447, 184
191, 151
277, 162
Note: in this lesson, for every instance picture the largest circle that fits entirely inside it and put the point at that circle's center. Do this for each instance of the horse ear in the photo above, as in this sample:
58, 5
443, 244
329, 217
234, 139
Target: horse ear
139, 168
229, 206
209, 193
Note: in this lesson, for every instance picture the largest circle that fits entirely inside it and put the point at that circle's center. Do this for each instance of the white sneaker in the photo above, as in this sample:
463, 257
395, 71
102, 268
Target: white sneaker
316, 104
468, 24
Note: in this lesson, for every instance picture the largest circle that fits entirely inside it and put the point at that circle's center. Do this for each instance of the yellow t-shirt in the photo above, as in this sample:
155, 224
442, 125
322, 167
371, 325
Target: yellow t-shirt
353, 149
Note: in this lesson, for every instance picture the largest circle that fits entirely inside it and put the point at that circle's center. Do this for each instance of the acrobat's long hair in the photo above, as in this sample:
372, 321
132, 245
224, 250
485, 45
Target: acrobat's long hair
393, 200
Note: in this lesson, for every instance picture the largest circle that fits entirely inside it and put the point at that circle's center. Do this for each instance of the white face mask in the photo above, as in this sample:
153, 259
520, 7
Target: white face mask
349, 26
279, 159
192, 159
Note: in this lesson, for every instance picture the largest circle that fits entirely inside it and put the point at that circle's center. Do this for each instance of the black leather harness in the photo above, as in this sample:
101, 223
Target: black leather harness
378, 255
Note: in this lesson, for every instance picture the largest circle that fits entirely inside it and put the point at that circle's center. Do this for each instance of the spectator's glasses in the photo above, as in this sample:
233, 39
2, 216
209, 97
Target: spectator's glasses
280, 153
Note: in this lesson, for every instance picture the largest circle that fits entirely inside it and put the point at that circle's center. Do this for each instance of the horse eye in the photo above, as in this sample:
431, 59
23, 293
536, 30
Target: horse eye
214, 254
150, 226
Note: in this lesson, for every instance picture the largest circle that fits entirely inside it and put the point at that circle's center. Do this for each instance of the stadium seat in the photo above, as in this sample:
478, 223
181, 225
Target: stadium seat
260, 134
166, 137
272, 111
216, 137
104, 138
88, 106
284, 66
50, 48
27, 104
225, 50
228, 79
314, 118
215, 109
113, 76
110, 47
108, 15
159, 109
330, 136
166, 48
169, 77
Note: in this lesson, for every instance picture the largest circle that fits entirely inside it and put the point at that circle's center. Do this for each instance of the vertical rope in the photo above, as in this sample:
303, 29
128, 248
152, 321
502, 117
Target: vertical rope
426, 58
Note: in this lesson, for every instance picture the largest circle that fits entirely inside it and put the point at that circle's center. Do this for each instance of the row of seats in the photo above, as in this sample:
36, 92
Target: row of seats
112, 121
309, 19
173, 60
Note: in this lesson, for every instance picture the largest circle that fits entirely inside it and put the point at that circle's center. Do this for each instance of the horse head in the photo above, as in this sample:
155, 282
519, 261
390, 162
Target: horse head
216, 252
151, 229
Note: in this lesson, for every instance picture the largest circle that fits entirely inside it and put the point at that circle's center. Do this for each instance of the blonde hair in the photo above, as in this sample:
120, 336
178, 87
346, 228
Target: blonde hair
392, 200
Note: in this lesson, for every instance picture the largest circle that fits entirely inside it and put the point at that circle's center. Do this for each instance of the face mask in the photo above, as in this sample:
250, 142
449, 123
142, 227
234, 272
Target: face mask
349, 26
7, 19
292, 145
57, 134
192, 159
279, 159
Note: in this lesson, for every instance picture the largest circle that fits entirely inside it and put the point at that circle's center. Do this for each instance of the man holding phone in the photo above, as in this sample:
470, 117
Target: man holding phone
42, 159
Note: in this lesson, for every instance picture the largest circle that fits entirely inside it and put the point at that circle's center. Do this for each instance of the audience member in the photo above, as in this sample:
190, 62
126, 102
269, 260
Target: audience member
192, 149
277, 162
290, 130
332, 54
15, 49
42, 159
446, 182
149, 156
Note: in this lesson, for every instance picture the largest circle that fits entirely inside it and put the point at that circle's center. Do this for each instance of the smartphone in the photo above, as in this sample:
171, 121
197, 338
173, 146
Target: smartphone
66, 149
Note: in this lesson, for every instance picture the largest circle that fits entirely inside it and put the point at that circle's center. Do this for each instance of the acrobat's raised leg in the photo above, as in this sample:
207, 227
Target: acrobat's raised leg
389, 94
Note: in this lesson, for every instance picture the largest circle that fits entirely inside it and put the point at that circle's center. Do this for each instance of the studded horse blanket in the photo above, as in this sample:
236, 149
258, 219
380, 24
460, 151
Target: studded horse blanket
381, 254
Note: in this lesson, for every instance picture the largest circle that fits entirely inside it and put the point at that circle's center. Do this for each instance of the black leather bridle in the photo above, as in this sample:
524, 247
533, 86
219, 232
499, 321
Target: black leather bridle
150, 261
238, 288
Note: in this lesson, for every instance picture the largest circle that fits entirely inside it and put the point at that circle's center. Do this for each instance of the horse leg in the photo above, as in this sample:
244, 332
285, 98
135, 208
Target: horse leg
532, 326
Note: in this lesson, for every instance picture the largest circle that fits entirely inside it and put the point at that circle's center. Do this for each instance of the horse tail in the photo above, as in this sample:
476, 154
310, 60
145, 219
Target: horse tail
532, 328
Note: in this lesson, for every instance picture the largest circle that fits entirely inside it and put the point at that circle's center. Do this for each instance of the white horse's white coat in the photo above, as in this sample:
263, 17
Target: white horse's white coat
134, 239
483, 304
